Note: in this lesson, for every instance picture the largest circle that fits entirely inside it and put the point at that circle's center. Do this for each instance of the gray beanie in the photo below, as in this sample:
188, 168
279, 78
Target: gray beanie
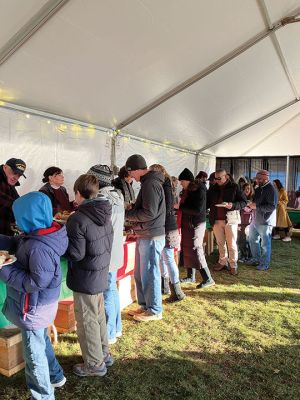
103, 173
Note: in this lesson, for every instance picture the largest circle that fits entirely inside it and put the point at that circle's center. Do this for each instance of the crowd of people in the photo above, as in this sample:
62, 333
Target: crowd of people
164, 219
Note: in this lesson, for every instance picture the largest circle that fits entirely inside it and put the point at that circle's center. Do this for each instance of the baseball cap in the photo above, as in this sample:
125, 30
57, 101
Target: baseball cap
17, 165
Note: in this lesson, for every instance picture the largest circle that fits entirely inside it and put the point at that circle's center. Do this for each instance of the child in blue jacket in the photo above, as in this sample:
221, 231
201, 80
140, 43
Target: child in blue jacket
33, 288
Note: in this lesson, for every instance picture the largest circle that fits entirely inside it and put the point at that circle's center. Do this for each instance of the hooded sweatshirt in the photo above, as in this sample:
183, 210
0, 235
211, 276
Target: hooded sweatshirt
116, 201
149, 212
90, 235
34, 280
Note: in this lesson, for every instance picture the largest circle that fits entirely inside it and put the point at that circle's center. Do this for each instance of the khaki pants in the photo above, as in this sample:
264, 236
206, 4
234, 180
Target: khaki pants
91, 327
226, 237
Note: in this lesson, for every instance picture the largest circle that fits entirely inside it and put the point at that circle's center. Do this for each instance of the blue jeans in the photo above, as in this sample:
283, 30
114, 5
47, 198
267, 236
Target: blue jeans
168, 265
112, 306
260, 239
147, 274
41, 365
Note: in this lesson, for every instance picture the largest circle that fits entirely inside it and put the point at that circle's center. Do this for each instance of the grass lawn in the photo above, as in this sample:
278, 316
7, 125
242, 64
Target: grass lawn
236, 340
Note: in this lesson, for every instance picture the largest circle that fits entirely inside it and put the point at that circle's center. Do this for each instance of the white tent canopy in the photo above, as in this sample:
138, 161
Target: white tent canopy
123, 64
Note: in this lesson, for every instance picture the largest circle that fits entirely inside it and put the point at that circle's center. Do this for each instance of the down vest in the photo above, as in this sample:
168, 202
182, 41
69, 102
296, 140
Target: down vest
90, 235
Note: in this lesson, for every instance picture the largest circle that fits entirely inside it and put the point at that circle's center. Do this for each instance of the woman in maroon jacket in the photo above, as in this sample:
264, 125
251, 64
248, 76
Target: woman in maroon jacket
54, 179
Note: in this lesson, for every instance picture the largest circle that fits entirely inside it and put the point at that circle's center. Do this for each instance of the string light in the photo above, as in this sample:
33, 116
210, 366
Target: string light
48, 122
27, 116
2, 103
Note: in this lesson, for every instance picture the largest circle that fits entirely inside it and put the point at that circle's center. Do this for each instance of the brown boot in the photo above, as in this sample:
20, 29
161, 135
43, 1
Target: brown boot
233, 271
219, 267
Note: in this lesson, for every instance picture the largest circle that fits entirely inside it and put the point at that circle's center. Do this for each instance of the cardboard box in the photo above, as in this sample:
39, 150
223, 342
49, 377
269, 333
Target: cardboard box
11, 354
127, 291
65, 317
208, 242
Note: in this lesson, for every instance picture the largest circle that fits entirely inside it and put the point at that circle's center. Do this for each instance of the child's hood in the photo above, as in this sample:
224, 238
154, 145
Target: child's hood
56, 239
33, 211
112, 195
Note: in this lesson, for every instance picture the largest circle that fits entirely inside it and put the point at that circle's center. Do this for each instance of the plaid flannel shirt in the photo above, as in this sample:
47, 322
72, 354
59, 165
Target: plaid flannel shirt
8, 195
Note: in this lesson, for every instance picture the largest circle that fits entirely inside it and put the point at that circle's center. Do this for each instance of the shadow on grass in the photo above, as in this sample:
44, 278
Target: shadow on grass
239, 295
264, 374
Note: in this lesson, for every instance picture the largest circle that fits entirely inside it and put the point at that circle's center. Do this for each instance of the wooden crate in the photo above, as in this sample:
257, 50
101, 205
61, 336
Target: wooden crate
65, 317
11, 354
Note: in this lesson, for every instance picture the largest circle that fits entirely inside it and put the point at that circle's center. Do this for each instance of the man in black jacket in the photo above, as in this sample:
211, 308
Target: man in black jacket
222, 198
10, 174
148, 217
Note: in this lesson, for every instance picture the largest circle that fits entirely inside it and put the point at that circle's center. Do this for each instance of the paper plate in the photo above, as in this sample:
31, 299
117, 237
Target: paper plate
13, 259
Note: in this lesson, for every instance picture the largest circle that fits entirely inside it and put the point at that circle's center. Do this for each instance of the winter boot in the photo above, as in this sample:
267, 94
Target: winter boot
176, 293
191, 276
207, 280
165, 285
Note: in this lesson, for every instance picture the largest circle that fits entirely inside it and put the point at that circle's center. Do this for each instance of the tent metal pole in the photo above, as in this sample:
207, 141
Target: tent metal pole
113, 153
26, 32
287, 172
275, 41
231, 134
52, 117
196, 164
211, 68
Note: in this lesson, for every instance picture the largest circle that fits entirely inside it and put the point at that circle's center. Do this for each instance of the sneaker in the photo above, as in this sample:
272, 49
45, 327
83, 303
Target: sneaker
276, 237
118, 334
147, 316
252, 262
219, 267
108, 359
206, 284
60, 383
84, 370
287, 239
262, 268
132, 313
187, 280
112, 340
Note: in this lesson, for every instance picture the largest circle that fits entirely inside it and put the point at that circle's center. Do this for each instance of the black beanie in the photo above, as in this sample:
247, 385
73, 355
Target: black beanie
186, 175
134, 162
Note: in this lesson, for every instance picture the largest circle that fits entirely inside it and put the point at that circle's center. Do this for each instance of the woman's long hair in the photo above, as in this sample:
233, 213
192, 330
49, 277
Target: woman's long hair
278, 184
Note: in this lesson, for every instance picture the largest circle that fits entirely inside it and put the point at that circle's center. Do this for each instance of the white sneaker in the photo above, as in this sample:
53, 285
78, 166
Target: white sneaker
59, 384
276, 237
112, 340
118, 334
287, 239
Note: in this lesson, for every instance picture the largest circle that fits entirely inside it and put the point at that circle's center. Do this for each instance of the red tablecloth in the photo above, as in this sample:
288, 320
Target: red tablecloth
129, 257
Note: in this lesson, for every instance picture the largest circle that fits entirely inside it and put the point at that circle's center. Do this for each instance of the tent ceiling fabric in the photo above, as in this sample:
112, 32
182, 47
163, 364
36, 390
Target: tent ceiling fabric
101, 62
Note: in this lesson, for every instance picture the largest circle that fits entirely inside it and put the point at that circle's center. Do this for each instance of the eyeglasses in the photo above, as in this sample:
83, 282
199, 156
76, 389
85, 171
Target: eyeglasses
217, 179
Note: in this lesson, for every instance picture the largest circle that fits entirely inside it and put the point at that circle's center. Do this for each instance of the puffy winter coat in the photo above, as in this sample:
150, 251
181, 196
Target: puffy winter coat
90, 235
34, 280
